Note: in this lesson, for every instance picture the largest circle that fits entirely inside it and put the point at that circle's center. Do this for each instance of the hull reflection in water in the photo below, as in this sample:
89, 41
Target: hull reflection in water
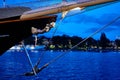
73, 66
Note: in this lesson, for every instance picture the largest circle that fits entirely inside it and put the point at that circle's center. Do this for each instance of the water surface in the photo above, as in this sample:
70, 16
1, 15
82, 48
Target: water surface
74, 65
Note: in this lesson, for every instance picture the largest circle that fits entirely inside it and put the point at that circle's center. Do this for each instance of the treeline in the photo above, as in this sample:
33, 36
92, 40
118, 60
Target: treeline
67, 42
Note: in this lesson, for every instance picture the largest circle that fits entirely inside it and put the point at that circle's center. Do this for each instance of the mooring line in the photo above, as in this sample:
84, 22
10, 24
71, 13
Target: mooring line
59, 56
29, 59
56, 28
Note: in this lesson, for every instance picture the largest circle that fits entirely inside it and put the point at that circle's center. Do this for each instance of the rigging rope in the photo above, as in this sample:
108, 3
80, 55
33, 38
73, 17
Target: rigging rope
34, 68
59, 56
29, 59
53, 60
38, 62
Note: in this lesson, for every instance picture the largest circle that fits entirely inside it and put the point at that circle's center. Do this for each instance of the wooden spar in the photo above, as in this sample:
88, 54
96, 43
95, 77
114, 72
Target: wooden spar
60, 8
29, 19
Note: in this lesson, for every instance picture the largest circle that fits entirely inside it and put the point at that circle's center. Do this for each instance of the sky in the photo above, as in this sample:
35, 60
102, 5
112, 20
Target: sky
86, 23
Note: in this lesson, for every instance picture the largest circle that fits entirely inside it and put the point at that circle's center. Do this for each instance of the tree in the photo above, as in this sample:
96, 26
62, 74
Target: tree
104, 42
117, 41
91, 42
75, 40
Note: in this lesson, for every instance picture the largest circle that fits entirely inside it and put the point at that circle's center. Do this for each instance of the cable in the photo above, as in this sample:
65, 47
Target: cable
59, 56
38, 62
29, 59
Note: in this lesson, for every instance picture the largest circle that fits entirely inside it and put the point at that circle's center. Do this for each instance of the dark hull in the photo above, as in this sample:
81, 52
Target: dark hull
17, 30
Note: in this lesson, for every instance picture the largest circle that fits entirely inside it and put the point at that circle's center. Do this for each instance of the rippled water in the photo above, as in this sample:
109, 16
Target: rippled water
72, 66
